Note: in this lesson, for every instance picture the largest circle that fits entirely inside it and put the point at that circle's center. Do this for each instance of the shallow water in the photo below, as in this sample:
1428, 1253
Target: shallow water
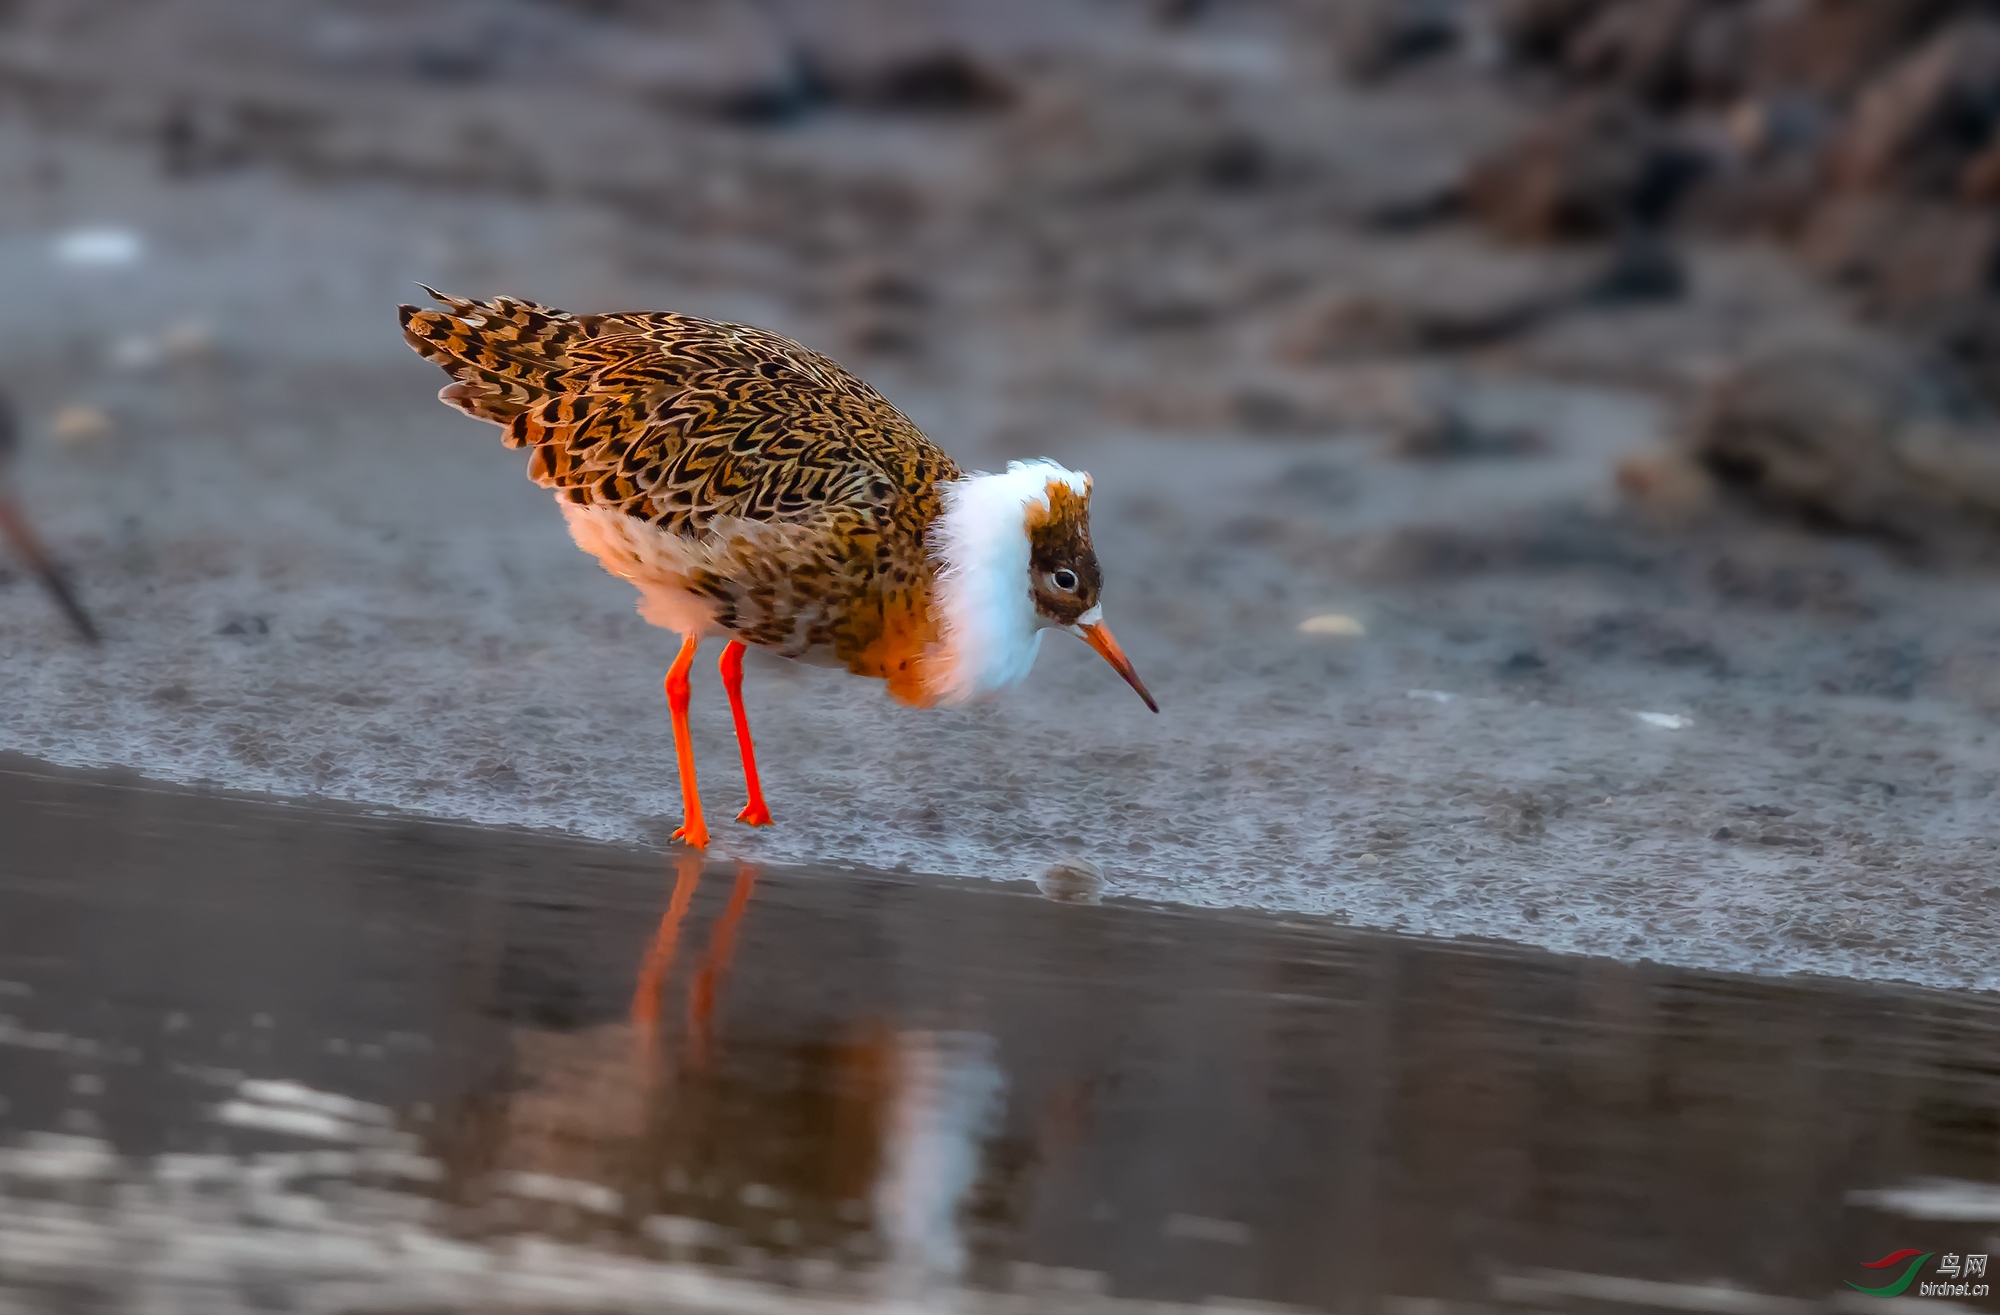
267, 1057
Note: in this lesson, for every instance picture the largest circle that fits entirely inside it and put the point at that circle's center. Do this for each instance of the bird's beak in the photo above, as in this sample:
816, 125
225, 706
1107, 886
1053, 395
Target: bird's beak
1098, 636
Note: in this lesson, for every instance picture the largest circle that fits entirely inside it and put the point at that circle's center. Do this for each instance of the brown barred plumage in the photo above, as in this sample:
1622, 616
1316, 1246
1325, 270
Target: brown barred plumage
798, 495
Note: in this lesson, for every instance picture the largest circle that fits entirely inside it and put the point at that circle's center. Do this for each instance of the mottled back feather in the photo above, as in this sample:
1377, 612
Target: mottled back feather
802, 496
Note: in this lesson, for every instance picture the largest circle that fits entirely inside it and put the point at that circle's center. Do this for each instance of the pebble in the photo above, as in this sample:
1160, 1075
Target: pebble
1332, 623
1073, 881
80, 422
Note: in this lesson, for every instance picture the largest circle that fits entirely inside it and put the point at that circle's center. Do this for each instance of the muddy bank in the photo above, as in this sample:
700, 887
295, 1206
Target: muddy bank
1153, 247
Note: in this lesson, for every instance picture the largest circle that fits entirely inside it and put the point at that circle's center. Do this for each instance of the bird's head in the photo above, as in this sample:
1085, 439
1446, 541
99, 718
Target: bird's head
1016, 559
1063, 578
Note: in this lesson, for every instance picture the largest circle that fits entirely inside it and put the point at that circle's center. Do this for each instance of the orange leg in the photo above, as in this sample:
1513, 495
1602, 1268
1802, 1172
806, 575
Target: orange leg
754, 813
692, 828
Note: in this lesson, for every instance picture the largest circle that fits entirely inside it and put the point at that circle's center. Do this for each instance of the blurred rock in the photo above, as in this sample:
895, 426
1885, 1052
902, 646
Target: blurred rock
81, 422
1980, 179
1277, 413
1904, 256
1641, 46
1865, 132
1671, 490
1640, 270
1179, 13
1834, 47
1853, 440
1965, 334
1593, 168
196, 137
1539, 31
1766, 175
1347, 327
800, 87
1662, 52
1442, 431
942, 81
1918, 125
1210, 159
1669, 51
1351, 327
1379, 37
875, 332
1430, 202
945, 81
1764, 127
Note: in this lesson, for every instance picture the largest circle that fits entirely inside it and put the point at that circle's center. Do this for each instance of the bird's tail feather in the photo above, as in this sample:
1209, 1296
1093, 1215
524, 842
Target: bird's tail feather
503, 355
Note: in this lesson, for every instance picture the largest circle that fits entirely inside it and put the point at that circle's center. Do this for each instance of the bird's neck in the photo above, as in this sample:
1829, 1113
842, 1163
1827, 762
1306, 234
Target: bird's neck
988, 628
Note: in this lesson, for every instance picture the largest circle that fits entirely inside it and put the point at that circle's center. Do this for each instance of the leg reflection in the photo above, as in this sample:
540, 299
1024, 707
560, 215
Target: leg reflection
714, 967
659, 960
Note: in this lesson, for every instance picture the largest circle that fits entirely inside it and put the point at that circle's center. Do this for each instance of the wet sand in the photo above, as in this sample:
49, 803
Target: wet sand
1732, 746
279, 1056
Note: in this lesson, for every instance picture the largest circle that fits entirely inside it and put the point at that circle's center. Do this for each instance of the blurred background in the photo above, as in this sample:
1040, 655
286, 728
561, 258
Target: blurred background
1546, 466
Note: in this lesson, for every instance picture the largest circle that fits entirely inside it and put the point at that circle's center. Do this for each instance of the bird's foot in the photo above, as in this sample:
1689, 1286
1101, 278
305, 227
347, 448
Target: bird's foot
695, 833
755, 814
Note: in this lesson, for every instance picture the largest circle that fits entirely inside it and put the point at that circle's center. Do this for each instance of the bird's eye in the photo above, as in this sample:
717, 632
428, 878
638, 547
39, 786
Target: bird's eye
1064, 580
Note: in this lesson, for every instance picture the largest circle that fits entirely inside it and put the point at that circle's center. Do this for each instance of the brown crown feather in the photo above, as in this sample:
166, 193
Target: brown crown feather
1058, 538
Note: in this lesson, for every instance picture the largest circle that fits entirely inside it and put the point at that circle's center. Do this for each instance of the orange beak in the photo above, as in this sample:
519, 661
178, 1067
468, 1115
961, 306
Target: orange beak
1098, 636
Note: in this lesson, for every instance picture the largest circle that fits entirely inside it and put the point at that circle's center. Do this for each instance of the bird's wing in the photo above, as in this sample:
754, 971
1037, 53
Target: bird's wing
679, 420
802, 495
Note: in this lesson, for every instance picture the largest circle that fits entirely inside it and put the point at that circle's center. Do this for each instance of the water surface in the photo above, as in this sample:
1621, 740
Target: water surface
258, 1056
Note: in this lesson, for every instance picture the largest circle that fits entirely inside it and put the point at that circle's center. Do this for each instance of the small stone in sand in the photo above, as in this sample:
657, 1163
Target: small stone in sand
1331, 623
80, 422
1072, 881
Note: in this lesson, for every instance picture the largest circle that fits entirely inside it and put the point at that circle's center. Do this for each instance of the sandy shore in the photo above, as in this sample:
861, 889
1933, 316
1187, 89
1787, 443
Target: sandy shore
258, 1055
1738, 745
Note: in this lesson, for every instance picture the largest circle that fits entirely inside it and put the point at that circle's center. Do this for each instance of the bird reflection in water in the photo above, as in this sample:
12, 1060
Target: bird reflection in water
851, 1156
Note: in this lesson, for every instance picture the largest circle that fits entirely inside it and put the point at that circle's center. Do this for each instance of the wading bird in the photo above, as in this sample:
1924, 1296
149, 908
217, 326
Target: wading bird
750, 487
